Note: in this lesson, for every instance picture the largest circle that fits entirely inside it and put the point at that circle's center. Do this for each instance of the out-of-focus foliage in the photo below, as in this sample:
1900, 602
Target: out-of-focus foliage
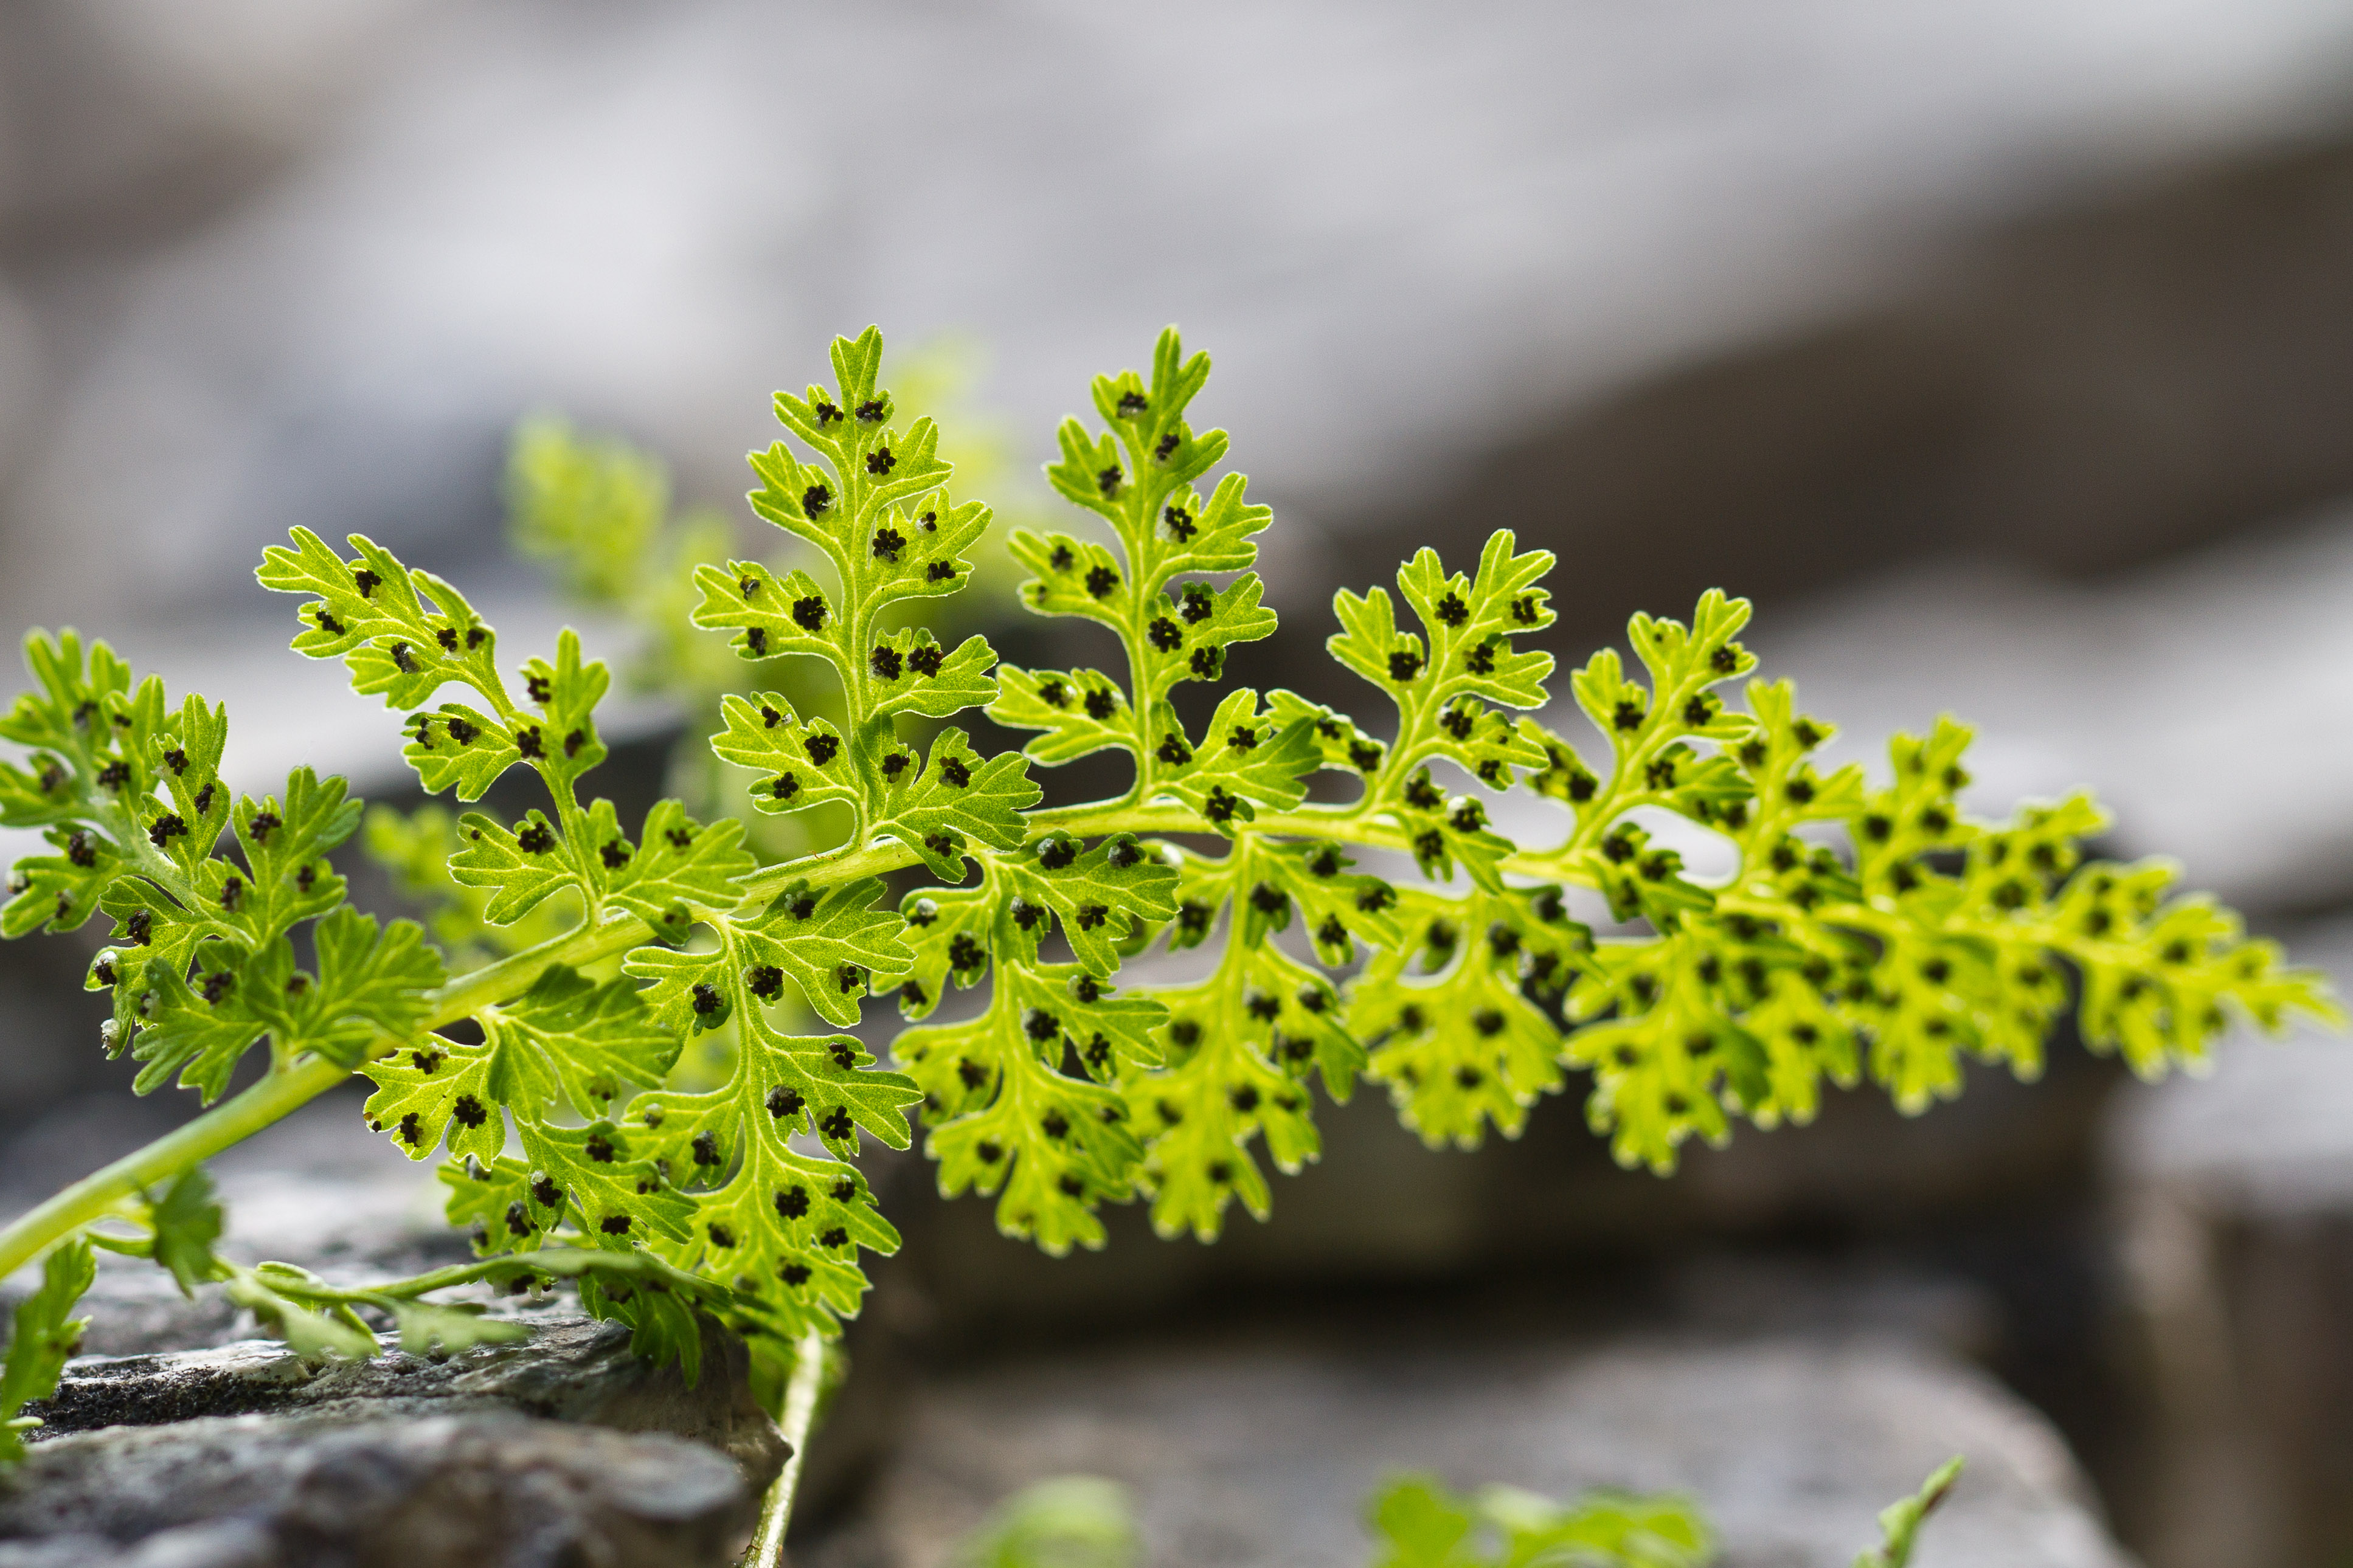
1070, 1522
1417, 1521
1420, 1523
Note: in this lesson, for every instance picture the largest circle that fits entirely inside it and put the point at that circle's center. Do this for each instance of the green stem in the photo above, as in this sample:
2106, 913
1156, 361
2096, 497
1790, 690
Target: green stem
767, 1548
564, 1262
230, 1122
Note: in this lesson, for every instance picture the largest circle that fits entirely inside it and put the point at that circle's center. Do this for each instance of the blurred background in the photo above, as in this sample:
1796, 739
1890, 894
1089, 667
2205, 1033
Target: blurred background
2001, 351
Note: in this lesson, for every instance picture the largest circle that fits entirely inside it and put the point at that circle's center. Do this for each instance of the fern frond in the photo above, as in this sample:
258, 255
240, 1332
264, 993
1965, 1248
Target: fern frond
1872, 929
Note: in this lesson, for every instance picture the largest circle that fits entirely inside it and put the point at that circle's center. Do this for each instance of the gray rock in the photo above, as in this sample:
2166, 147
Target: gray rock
1265, 1454
479, 1489
571, 1368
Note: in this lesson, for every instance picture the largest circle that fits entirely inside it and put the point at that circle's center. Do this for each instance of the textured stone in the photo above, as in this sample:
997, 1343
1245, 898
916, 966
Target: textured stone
571, 1368
1265, 1454
374, 1490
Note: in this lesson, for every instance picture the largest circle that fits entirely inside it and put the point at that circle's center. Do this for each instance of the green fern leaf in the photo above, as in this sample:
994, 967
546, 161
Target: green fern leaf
1870, 928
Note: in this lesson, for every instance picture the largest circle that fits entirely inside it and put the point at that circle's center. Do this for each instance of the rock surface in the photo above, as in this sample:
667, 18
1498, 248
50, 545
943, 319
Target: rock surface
1264, 1453
561, 1449
571, 1368
481, 1490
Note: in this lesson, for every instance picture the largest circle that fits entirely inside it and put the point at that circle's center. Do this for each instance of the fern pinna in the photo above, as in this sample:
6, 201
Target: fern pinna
1872, 929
